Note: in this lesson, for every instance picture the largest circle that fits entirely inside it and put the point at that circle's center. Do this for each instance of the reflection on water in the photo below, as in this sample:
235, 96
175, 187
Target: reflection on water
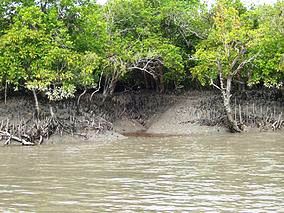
243, 173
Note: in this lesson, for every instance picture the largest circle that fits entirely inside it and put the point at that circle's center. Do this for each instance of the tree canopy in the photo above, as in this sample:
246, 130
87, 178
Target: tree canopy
58, 47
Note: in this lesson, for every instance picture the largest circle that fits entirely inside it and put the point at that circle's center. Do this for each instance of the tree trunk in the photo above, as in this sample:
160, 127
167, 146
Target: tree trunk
226, 94
37, 110
233, 126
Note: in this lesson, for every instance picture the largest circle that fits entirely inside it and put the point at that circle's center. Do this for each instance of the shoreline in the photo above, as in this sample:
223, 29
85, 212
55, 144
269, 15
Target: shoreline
148, 114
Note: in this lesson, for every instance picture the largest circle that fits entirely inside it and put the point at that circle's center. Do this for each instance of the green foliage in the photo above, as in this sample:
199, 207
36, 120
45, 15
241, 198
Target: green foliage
257, 33
184, 22
228, 47
130, 18
162, 49
37, 53
144, 30
88, 29
57, 47
268, 67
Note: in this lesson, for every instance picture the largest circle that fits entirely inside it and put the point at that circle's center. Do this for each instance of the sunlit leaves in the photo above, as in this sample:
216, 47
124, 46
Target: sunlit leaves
268, 67
228, 47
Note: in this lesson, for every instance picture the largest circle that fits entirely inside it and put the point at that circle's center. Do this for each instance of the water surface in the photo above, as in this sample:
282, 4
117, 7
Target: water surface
227, 173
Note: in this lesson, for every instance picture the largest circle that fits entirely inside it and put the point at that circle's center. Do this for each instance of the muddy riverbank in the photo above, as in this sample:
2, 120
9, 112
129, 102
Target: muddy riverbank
146, 113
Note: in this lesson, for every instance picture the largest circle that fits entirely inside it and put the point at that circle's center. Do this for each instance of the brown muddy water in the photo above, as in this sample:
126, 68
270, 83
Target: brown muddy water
225, 173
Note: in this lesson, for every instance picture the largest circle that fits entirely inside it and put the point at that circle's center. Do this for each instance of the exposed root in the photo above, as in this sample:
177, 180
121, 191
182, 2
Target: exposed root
35, 132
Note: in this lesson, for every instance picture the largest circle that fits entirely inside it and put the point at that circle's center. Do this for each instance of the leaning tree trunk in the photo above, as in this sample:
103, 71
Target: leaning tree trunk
233, 126
226, 94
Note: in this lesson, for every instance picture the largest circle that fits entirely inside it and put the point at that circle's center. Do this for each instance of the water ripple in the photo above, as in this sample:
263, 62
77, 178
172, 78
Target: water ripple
199, 174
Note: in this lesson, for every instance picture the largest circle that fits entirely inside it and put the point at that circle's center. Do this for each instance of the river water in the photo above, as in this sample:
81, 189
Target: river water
225, 173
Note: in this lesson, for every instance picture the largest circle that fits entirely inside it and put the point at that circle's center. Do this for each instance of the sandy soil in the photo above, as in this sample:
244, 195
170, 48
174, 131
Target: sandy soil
178, 119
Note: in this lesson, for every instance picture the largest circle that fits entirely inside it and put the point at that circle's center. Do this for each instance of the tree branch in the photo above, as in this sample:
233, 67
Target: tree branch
241, 65
213, 84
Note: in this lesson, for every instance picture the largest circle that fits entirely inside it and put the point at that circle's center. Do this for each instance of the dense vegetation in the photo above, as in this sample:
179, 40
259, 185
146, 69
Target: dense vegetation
58, 47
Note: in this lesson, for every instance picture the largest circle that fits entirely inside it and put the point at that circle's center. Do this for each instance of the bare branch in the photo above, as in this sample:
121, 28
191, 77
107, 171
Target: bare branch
213, 84
142, 69
241, 65
149, 66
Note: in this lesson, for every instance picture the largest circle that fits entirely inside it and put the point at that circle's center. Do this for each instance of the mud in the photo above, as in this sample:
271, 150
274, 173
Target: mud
150, 114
